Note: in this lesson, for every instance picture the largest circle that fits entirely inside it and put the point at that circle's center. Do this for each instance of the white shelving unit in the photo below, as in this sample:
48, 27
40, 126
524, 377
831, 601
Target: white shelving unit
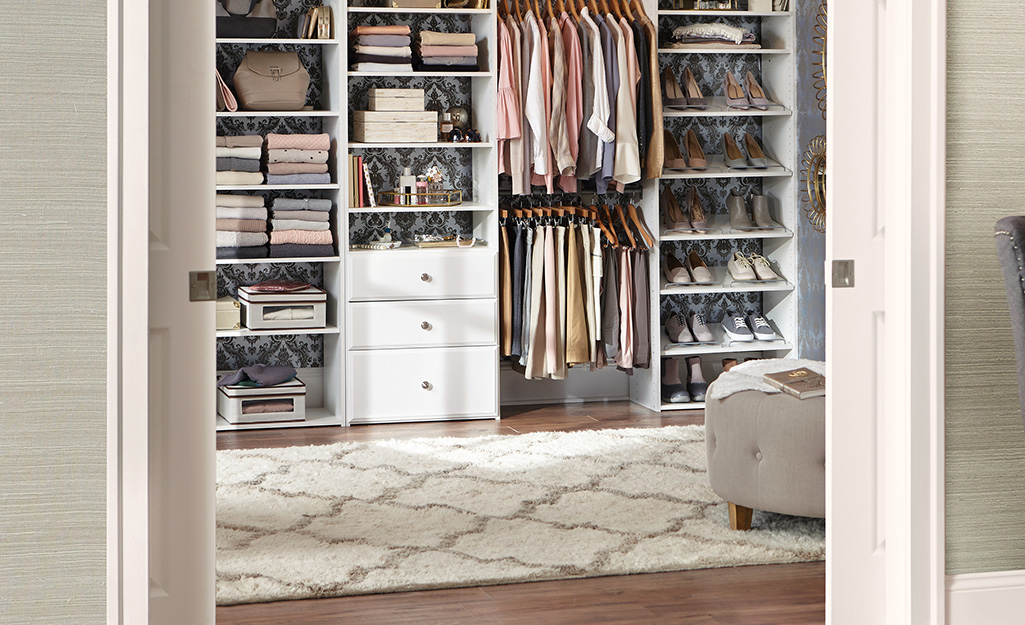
324, 400
780, 247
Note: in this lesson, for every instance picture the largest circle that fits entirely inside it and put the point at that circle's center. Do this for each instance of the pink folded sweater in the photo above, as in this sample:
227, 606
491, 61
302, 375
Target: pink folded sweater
302, 237
298, 142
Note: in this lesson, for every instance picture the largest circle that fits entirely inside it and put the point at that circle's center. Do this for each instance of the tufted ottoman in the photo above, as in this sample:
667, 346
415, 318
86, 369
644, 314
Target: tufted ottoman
767, 452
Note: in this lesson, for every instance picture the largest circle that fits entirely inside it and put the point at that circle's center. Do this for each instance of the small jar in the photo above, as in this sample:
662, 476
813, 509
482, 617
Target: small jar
421, 190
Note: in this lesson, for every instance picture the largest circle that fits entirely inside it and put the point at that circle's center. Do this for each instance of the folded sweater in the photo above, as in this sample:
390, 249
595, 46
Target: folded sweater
294, 250
299, 179
242, 225
428, 51
298, 224
253, 153
230, 212
230, 163
296, 168
304, 237
383, 51
303, 215
243, 141
301, 204
297, 156
239, 201
392, 41
241, 239
383, 68
434, 38
394, 29
380, 60
298, 142
257, 251
455, 61
239, 178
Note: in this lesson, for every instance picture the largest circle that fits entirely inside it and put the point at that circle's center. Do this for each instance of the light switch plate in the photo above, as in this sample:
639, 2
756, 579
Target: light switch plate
843, 274
202, 286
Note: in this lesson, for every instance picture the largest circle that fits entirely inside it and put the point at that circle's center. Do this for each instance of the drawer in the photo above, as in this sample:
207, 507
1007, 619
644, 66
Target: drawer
445, 323
421, 384
422, 274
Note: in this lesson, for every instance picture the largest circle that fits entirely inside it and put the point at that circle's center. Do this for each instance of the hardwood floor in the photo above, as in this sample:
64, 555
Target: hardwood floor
784, 594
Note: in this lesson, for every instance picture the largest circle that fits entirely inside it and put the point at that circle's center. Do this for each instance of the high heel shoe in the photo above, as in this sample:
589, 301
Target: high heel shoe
696, 212
755, 93
735, 96
731, 152
738, 212
675, 271
673, 158
672, 216
675, 97
695, 155
754, 152
695, 99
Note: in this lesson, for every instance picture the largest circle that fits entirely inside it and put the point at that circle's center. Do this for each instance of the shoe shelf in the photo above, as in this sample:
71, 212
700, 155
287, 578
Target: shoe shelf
723, 283
719, 228
272, 261
691, 405
717, 169
716, 107
723, 345
315, 417
330, 329
723, 50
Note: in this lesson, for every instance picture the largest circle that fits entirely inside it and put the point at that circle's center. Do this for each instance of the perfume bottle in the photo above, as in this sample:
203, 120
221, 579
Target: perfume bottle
421, 190
407, 185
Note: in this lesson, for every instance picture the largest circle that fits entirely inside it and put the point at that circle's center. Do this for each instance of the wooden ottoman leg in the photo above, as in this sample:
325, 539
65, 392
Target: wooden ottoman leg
740, 517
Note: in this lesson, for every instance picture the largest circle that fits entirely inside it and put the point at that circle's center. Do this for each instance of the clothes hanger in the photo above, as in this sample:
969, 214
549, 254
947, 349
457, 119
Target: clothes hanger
638, 8
560, 7
551, 13
503, 9
519, 12
537, 12
641, 228
626, 10
573, 10
626, 228
615, 8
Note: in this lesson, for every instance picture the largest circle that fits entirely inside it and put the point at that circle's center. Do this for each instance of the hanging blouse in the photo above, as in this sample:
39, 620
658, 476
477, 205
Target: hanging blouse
508, 108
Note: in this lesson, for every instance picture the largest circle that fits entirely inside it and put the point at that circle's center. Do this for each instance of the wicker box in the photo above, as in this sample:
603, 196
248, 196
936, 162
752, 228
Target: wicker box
396, 99
395, 126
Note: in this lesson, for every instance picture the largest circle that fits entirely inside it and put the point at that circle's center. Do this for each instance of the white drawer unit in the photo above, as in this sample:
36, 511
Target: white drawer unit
424, 384
440, 323
422, 274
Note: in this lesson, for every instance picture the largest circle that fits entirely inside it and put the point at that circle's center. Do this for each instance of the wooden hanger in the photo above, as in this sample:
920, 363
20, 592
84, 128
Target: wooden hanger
642, 229
503, 9
572, 10
551, 13
560, 7
615, 8
596, 214
519, 13
638, 8
626, 10
603, 7
626, 228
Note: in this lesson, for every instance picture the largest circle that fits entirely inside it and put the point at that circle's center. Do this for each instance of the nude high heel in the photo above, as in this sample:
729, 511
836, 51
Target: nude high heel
695, 155
672, 216
673, 158
731, 152
755, 93
674, 95
754, 152
695, 99
735, 96
698, 219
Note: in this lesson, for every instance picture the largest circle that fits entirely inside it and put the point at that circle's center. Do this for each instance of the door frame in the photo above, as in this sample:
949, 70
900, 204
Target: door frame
917, 568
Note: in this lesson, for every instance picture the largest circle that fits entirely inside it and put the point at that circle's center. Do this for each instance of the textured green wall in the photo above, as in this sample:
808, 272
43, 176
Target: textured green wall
985, 172
52, 312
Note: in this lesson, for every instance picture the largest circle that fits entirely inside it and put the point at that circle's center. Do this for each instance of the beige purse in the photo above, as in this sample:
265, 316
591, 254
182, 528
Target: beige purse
271, 81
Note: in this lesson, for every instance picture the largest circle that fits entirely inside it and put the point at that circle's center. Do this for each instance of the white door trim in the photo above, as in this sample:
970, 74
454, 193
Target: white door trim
990, 598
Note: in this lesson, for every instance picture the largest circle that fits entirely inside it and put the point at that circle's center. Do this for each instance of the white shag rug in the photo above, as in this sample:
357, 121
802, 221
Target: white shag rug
399, 515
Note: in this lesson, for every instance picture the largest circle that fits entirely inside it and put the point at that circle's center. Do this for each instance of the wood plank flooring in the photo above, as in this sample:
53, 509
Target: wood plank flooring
784, 594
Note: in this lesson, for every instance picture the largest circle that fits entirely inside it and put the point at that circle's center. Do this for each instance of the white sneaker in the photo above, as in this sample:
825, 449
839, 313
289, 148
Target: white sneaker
761, 328
736, 328
740, 267
762, 268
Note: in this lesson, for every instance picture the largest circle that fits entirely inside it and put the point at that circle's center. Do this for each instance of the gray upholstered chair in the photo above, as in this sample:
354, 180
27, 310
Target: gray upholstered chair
1010, 238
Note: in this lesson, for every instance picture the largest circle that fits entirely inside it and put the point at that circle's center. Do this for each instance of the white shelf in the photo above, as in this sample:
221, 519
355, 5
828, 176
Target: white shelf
330, 329
415, 74
713, 13
722, 345
277, 187
717, 108
464, 207
722, 283
278, 114
692, 405
719, 228
272, 261
717, 169
435, 144
273, 41
427, 11
723, 50
315, 417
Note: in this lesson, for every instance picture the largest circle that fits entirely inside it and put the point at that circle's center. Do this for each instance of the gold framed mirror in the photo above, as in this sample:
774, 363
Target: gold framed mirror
813, 178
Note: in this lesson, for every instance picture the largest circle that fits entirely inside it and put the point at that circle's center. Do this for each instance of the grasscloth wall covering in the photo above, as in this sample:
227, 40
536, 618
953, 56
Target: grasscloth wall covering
52, 312
985, 162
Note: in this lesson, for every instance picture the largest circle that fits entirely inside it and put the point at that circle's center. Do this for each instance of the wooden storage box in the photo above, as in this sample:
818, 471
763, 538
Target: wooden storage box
229, 313
397, 99
395, 126
263, 404
299, 310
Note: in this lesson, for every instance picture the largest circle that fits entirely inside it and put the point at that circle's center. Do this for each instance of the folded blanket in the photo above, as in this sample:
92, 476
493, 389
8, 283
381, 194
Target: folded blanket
394, 29
714, 30
257, 251
297, 156
382, 68
450, 60
384, 60
239, 201
243, 141
243, 212
426, 51
299, 142
431, 67
299, 179
748, 376
391, 41
230, 163
298, 224
303, 204
239, 178
253, 153
434, 38
240, 239
303, 215
296, 168
383, 51
242, 225
294, 250
305, 237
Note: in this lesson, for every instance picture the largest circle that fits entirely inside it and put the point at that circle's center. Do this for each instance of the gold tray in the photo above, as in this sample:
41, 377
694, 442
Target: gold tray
432, 199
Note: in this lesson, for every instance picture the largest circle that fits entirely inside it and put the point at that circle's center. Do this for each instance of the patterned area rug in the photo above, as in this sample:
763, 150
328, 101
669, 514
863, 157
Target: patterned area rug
388, 516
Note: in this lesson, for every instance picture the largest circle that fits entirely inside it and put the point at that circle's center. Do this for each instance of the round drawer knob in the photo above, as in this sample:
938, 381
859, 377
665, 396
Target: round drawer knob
425, 385
425, 325
426, 277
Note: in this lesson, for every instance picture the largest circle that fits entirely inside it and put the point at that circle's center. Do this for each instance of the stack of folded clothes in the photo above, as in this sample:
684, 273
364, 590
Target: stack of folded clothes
238, 160
712, 35
301, 228
447, 52
382, 49
298, 159
241, 226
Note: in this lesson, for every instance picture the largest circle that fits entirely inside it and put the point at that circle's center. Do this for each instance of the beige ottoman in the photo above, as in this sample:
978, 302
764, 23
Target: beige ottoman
767, 452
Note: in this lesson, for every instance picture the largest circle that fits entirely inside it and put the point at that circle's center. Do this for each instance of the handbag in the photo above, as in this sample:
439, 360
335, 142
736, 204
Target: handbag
225, 98
271, 81
246, 18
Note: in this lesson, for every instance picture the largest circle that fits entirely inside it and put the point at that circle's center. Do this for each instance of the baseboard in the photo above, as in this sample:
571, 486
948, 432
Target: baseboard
986, 598
579, 386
